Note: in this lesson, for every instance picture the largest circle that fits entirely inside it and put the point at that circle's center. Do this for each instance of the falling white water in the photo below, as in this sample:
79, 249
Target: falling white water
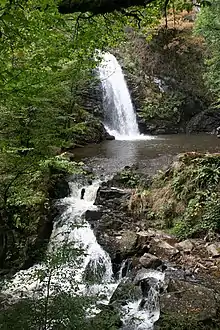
119, 116
143, 318
70, 228
69, 276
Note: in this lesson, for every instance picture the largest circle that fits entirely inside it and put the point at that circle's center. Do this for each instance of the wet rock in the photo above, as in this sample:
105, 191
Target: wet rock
218, 132
143, 274
148, 283
110, 197
119, 247
60, 189
109, 137
87, 169
187, 299
93, 215
150, 261
94, 272
185, 246
126, 292
206, 121
157, 126
214, 250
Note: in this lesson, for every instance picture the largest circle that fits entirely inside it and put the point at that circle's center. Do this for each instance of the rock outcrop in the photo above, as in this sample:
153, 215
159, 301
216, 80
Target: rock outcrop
206, 121
165, 77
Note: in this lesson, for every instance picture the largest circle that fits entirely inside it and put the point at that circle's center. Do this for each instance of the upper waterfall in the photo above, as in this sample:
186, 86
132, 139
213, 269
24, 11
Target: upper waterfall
119, 116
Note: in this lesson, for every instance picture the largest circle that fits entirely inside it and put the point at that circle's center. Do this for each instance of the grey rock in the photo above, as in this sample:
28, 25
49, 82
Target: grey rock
185, 246
214, 249
150, 261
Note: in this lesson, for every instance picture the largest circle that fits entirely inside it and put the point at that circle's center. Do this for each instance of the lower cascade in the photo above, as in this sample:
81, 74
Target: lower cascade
92, 273
119, 116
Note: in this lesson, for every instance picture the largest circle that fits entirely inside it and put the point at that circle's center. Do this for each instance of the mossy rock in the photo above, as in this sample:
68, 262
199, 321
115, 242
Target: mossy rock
108, 318
126, 292
188, 306
176, 322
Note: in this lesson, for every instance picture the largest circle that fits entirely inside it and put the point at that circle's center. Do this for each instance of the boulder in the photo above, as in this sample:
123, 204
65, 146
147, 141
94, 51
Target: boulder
118, 244
126, 292
190, 302
150, 261
93, 215
162, 248
127, 242
111, 197
60, 189
214, 250
185, 246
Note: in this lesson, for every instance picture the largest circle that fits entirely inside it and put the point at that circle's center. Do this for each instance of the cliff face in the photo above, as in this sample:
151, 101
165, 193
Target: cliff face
166, 76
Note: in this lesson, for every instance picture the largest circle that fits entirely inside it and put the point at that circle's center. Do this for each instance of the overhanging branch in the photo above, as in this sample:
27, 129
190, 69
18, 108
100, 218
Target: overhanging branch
99, 6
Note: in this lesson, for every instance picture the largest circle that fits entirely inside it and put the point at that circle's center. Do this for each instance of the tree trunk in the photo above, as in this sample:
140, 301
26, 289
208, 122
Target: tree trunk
98, 6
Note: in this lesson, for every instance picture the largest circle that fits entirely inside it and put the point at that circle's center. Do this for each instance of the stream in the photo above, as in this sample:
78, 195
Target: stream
71, 229
72, 276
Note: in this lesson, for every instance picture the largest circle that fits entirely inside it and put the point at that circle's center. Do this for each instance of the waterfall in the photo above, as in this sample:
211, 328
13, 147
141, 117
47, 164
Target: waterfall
70, 228
71, 276
119, 116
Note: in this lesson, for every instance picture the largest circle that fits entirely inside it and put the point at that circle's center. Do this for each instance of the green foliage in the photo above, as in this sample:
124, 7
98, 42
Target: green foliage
190, 202
163, 106
47, 61
129, 178
208, 25
48, 304
200, 173
200, 218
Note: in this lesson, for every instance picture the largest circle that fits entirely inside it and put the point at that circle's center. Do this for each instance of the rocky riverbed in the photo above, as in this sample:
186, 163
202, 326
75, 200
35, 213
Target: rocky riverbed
190, 293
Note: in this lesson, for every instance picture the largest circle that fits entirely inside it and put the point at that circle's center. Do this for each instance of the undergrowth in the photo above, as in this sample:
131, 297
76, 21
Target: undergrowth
185, 198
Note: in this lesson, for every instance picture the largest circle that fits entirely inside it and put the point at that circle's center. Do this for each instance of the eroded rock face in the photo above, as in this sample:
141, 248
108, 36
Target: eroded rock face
206, 121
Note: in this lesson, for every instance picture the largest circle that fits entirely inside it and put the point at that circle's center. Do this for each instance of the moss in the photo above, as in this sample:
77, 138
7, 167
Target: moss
126, 292
177, 322
129, 177
185, 198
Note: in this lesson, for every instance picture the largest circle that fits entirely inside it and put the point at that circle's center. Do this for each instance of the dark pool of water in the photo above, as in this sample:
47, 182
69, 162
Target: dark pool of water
151, 155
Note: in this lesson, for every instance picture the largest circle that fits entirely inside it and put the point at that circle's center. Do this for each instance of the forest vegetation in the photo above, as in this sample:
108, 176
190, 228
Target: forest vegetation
49, 52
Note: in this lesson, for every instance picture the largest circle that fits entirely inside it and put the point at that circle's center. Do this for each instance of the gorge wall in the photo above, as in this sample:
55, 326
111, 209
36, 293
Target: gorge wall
166, 78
